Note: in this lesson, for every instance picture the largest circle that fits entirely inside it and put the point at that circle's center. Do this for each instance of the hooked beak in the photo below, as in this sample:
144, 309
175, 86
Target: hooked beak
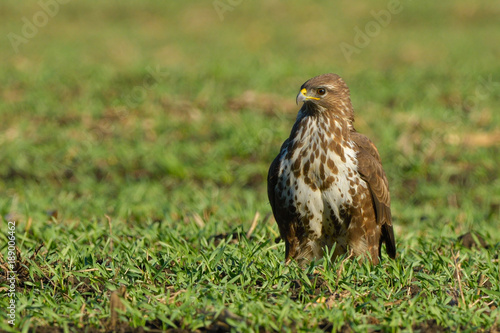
302, 96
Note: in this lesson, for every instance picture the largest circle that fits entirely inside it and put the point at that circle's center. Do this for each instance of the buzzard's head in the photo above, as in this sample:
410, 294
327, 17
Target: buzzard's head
326, 93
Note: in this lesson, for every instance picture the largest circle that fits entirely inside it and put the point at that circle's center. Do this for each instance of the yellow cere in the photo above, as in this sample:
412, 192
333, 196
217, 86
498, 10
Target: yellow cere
304, 92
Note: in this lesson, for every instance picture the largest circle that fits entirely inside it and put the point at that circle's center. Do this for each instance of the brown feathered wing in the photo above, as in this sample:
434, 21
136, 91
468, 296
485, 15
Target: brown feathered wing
371, 171
282, 216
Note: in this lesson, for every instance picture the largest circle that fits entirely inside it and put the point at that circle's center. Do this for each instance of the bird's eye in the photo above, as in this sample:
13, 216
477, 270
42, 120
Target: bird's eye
321, 91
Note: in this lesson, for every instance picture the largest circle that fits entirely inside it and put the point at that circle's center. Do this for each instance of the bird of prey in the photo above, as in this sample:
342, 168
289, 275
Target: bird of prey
327, 186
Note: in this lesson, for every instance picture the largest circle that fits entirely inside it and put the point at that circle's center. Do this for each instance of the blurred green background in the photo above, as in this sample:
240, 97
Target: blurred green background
132, 132
149, 110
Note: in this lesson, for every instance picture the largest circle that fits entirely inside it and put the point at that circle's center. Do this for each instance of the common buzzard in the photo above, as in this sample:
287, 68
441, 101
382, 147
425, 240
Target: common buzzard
327, 186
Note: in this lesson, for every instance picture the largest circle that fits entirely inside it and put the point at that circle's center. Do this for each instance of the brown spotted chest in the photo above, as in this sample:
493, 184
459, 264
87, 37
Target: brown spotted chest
318, 176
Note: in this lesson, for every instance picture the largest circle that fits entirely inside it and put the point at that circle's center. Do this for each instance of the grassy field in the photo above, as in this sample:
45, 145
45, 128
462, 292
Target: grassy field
135, 139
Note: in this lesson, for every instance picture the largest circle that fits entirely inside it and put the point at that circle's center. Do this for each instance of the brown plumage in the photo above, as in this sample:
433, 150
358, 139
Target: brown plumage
327, 186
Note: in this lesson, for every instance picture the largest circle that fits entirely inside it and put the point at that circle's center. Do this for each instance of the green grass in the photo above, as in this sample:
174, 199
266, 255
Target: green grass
88, 133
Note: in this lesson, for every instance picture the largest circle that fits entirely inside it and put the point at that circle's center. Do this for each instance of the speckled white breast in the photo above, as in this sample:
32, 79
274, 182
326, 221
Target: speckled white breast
314, 200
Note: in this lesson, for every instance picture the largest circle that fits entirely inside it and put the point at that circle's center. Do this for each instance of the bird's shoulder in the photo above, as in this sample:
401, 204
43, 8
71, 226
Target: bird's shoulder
365, 145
